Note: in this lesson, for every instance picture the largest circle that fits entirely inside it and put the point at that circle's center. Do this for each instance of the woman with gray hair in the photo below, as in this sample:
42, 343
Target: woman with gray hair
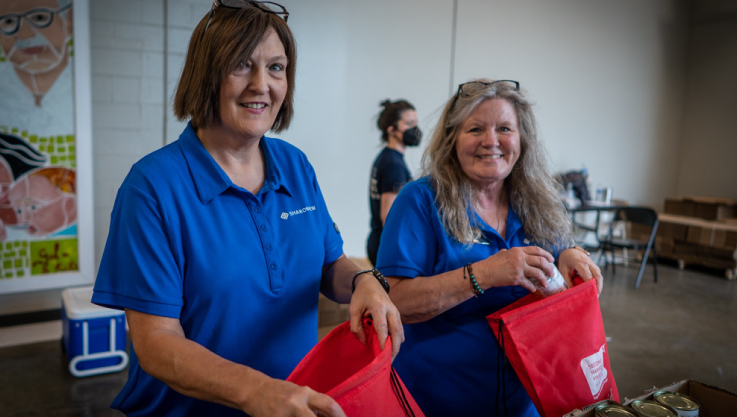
481, 229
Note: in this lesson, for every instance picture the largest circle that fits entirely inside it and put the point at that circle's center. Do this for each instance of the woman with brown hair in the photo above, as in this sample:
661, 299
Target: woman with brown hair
221, 241
398, 125
479, 231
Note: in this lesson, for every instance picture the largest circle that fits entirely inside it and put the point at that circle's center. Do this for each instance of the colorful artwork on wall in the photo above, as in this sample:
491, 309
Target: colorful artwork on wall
38, 142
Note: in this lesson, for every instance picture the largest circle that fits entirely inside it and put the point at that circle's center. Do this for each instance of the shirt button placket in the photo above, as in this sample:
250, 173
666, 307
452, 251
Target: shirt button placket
266, 235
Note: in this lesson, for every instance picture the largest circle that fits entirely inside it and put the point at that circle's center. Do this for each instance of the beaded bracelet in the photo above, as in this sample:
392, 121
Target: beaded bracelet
474, 284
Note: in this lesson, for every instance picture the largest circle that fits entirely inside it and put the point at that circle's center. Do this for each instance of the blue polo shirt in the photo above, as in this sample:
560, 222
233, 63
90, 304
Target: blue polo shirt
241, 272
450, 363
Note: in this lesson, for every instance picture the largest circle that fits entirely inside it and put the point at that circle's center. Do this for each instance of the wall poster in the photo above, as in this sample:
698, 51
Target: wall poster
46, 236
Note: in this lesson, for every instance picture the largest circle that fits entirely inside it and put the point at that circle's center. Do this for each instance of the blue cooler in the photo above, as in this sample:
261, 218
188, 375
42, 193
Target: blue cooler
94, 337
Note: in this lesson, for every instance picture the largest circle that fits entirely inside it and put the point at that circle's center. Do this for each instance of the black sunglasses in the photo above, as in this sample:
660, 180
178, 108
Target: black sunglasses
485, 84
240, 4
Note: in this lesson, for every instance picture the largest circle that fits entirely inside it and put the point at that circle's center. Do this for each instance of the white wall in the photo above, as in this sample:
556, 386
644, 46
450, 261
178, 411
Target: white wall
358, 55
709, 147
608, 78
128, 95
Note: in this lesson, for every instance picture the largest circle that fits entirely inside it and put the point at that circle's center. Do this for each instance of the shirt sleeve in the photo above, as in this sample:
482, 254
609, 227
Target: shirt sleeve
139, 268
392, 177
333, 240
408, 242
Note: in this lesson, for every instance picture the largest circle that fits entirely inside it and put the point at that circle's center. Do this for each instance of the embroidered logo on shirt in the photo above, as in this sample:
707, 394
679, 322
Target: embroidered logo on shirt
285, 215
594, 370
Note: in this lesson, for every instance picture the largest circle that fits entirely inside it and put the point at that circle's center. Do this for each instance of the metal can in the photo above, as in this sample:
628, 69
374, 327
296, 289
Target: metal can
556, 284
613, 409
649, 408
683, 405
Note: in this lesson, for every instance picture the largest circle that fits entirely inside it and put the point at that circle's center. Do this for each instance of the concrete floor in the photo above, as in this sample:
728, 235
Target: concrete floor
685, 326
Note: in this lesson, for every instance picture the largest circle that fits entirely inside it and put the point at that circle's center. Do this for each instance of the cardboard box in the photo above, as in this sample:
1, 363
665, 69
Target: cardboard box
716, 234
673, 231
713, 237
639, 232
727, 257
712, 200
666, 231
664, 247
679, 207
713, 208
331, 313
707, 208
93, 337
714, 402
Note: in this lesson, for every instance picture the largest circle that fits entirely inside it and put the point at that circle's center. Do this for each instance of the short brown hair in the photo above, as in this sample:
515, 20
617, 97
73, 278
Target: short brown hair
213, 54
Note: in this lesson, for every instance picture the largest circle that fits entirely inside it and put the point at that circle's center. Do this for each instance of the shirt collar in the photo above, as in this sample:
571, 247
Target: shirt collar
275, 167
209, 178
513, 222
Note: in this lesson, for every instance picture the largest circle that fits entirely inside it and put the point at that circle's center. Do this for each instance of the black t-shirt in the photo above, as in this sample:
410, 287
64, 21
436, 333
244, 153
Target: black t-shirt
389, 174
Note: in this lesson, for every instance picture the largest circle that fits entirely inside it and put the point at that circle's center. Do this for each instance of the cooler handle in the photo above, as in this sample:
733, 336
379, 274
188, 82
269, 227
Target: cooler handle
85, 356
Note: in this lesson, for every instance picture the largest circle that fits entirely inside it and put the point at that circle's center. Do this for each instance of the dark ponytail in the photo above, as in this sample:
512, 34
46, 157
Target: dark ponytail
391, 114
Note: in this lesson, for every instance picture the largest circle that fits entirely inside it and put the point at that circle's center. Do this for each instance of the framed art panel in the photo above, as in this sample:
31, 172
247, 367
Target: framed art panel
46, 202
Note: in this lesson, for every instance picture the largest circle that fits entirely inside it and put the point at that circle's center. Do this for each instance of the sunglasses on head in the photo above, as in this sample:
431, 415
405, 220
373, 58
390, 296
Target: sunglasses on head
240, 4
469, 88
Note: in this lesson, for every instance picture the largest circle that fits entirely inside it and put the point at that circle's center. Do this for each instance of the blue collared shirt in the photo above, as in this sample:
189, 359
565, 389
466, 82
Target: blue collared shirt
240, 271
450, 362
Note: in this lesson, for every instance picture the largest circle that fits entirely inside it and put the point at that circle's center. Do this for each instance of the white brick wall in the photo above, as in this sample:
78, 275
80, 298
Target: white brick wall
127, 95
135, 68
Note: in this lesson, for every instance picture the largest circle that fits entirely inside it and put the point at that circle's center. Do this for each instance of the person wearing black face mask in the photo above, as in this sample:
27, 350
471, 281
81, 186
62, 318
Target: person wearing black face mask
398, 125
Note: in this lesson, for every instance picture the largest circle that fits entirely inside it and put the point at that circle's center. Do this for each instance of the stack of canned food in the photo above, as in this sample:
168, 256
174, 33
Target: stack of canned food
663, 404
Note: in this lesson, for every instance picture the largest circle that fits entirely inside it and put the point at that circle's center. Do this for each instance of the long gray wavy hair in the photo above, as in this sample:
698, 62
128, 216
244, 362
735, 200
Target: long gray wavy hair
532, 190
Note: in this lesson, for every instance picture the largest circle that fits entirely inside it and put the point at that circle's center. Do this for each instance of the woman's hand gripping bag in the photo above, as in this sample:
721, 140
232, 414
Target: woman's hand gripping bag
360, 378
557, 347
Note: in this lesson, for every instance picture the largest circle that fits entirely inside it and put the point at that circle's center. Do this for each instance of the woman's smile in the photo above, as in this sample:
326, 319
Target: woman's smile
488, 144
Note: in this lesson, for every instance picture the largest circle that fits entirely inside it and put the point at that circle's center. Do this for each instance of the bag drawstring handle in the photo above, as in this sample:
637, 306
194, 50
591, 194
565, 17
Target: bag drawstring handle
399, 391
501, 362
396, 386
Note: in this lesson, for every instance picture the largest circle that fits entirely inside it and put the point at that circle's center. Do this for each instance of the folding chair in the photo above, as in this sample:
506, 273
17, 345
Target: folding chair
636, 215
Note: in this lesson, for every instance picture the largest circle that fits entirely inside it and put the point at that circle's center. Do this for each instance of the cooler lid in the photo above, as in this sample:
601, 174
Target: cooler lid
78, 305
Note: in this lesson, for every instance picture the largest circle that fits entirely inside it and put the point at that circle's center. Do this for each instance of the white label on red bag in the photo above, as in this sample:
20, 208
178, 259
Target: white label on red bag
595, 371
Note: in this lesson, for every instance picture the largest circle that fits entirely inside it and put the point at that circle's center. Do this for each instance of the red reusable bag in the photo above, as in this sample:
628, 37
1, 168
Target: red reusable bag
557, 347
359, 377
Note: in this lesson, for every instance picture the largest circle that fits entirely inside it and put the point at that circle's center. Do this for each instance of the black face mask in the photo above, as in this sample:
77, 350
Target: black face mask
412, 136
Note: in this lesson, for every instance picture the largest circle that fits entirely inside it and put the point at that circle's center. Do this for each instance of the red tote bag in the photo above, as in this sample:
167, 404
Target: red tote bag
557, 347
359, 377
